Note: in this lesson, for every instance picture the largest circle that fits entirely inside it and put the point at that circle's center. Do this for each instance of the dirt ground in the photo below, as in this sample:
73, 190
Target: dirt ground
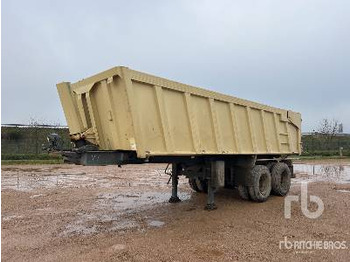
74, 213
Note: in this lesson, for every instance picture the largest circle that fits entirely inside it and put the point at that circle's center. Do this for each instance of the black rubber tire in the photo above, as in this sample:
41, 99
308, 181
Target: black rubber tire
261, 188
243, 192
198, 185
269, 165
280, 179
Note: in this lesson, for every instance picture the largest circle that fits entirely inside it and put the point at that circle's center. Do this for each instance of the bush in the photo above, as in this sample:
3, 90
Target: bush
325, 153
32, 162
13, 135
30, 157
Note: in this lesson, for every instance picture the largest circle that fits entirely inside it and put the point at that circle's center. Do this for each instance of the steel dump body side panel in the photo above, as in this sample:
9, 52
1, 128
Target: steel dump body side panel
123, 109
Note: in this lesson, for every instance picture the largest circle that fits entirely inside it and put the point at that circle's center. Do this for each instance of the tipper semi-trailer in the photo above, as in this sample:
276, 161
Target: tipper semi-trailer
122, 116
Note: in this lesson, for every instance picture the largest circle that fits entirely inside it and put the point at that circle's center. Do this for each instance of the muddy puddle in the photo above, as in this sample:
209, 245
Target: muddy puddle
337, 173
123, 198
121, 211
128, 202
30, 179
116, 212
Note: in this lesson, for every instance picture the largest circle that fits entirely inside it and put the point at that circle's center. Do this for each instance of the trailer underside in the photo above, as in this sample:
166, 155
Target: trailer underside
255, 176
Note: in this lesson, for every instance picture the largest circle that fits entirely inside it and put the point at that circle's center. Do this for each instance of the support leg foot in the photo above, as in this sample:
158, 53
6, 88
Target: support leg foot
211, 190
210, 207
174, 199
174, 182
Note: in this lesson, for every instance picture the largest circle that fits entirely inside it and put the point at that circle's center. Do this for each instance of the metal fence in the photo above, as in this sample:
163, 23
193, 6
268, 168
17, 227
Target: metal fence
317, 143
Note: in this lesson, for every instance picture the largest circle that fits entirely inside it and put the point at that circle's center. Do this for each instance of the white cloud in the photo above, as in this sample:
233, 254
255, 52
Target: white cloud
290, 54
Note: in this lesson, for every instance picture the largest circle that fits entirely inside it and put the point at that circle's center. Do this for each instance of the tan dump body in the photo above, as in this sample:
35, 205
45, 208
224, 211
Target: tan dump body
122, 109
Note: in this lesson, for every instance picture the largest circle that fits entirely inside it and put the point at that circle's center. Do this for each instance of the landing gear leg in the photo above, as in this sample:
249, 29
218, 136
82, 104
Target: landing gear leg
216, 179
174, 182
211, 203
